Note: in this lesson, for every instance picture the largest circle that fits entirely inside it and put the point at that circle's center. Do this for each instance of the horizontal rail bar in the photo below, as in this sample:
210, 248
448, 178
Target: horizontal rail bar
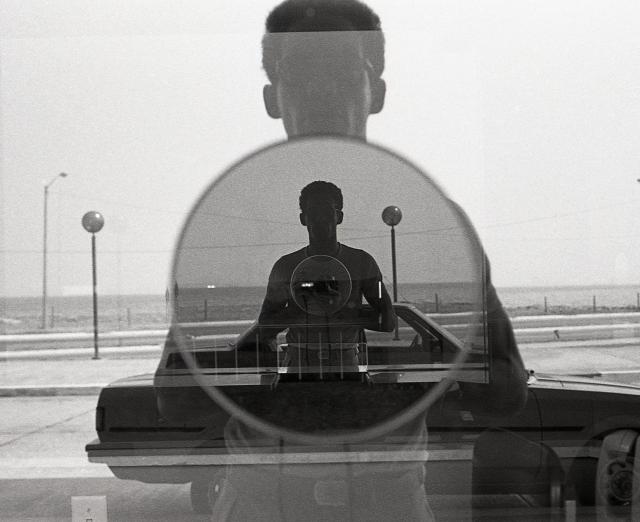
525, 328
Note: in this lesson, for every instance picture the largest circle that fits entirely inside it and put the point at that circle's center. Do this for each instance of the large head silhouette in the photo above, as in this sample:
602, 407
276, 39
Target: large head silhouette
324, 62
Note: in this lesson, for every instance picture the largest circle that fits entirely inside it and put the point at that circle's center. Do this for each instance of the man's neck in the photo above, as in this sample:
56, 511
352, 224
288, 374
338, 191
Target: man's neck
323, 249
357, 135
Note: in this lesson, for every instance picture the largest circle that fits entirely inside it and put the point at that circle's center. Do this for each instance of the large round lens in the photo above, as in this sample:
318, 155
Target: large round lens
305, 315
320, 285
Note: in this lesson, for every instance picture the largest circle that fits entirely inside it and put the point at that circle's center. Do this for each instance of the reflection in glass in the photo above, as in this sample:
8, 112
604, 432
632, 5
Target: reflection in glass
322, 385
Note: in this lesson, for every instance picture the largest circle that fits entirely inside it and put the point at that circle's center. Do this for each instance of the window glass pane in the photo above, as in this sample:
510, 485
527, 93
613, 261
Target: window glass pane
525, 115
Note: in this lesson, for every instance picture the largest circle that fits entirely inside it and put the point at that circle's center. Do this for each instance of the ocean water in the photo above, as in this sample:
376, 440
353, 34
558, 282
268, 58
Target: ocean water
75, 313
607, 298
123, 312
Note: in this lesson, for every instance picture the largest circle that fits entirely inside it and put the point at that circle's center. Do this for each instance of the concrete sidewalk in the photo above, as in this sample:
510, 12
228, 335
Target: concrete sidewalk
77, 376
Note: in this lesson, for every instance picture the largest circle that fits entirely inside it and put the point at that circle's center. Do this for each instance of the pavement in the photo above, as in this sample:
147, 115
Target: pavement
74, 371
72, 375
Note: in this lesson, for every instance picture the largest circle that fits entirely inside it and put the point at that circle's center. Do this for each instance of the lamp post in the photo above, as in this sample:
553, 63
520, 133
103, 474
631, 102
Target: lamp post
392, 215
44, 249
93, 222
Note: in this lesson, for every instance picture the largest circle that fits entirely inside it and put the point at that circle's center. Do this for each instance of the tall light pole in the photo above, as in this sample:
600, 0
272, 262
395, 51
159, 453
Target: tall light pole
93, 222
44, 249
392, 215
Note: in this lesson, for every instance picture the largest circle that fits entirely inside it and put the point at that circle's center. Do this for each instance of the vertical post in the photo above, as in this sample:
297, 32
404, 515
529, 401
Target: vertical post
437, 303
396, 335
44, 261
51, 317
44, 249
167, 305
128, 317
594, 303
176, 304
206, 311
393, 264
93, 222
95, 298
391, 216
638, 300
546, 309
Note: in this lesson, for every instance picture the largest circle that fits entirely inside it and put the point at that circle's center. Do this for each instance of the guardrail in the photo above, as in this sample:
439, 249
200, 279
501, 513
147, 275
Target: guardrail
526, 329
128, 335
112, 338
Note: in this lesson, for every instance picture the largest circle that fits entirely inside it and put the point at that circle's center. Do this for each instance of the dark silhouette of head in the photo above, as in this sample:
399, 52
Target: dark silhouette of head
321, 190
324, 60
321, 212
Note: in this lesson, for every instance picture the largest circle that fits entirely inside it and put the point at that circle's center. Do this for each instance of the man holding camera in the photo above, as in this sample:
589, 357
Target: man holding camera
317, 291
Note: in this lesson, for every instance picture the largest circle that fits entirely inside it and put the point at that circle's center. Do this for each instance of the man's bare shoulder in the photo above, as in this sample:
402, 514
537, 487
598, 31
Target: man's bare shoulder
290, 260
355, 253
346, 249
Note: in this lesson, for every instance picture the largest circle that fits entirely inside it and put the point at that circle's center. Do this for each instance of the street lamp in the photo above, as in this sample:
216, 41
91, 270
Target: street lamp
44, 249
392, 215
93, 222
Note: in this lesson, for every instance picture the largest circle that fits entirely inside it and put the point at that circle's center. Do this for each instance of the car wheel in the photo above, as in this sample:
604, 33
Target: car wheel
617, 478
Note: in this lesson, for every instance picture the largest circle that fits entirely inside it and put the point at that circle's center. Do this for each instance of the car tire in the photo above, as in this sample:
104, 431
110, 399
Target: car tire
617, 480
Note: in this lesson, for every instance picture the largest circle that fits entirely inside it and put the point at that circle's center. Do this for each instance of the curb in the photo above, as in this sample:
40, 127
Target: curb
81, 353
51, 390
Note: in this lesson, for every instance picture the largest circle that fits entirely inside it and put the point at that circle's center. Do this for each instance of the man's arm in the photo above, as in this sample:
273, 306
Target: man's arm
383, 318
274, 312
506, 393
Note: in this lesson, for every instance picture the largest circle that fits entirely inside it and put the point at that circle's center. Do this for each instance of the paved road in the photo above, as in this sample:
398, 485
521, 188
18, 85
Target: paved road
616, 361
50, 500
43, 464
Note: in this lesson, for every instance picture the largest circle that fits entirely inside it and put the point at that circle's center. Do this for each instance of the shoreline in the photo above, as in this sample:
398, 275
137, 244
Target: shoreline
155, 321
22, 315
568, 310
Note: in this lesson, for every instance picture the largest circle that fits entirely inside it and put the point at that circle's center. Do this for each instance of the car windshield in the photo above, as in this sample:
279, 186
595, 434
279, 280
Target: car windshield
319, 260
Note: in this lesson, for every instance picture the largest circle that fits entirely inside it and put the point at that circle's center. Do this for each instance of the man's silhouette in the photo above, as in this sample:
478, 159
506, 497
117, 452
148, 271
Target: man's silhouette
317, 291
324, 60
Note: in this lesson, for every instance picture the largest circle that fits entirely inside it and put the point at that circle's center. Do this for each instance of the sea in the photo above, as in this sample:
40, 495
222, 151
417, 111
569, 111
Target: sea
134, 312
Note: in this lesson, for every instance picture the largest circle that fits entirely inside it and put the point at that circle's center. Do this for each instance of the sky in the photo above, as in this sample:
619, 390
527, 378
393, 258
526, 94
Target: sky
249, 217
526, 113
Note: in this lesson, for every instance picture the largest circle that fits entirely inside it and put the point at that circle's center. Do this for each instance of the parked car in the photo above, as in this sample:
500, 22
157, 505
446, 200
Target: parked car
574, 442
